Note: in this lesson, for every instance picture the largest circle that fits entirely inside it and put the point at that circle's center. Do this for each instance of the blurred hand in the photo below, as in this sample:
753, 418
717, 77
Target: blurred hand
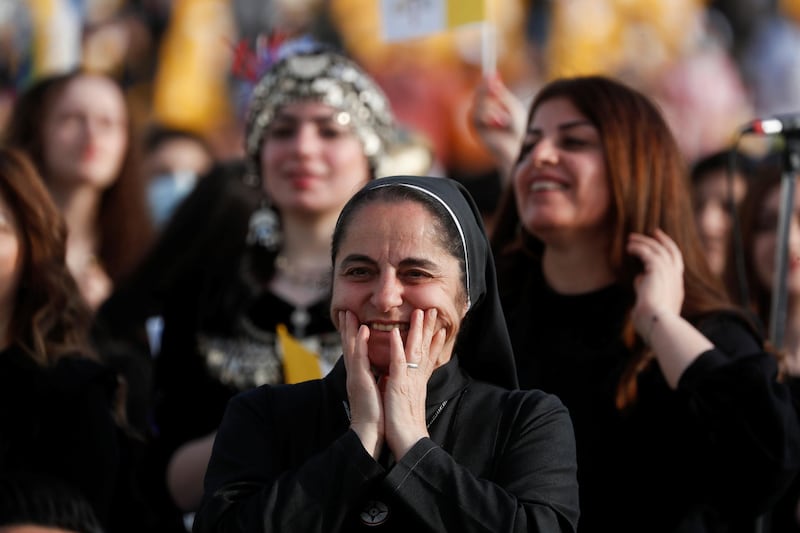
498, 118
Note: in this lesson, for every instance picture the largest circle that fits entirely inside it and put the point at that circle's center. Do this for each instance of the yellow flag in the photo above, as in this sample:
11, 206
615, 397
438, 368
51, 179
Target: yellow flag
461, 12
190, 88
299, 363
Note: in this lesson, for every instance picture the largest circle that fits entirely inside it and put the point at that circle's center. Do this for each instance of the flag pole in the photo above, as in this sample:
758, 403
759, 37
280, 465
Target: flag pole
488, 48
488, 41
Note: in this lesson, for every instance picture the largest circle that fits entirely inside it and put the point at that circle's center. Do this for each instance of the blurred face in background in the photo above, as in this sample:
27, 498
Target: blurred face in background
10, 263
311, 160
712, 213
85, 134
171, 171
766, 241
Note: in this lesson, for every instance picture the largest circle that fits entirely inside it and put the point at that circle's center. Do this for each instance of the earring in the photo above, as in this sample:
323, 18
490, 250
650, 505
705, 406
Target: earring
264, 228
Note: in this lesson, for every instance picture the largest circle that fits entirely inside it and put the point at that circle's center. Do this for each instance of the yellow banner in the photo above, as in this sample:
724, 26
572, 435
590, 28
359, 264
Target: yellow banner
299, 363
461, 12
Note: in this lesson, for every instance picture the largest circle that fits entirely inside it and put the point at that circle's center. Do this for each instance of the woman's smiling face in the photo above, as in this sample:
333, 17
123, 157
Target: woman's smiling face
311, 162
560, 180
390, 262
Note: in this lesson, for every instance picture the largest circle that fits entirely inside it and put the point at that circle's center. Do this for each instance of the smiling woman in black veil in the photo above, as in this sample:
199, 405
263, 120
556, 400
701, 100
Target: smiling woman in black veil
419, 426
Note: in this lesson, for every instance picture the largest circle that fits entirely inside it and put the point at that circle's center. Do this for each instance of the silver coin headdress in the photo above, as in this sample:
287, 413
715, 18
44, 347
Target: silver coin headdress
332, 79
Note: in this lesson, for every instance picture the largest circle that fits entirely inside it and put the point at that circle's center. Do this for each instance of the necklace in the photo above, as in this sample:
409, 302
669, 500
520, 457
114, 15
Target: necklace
316, 278
301, 289
300, 319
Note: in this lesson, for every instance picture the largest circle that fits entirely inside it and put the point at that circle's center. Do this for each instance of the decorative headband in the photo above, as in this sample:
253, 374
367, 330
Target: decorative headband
331, 79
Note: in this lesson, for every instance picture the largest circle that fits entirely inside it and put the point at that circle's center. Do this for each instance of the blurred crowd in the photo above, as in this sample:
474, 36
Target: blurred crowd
181, 275
182, 63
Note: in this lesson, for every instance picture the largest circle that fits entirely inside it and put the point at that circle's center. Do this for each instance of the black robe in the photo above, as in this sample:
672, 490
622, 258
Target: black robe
496, 460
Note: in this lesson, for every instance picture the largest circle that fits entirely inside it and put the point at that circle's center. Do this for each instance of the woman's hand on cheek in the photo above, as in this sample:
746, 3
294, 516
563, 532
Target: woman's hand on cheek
659, 288
366, 405
406, 387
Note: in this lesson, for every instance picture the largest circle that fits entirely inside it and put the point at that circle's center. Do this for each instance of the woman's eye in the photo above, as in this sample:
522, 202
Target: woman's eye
525, 149
331, 132
356, 272
573, 142
416, 274
281, 132
70, 119
107, 123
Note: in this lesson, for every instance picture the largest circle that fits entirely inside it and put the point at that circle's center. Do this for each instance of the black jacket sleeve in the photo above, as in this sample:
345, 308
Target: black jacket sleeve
752, 447
248, 489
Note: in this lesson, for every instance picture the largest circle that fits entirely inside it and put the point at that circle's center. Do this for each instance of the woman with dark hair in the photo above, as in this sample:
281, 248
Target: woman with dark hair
758, 221
418, 426
718, 183
680, 421
36, 504
758, 216
61, 411
77, 130
42, 311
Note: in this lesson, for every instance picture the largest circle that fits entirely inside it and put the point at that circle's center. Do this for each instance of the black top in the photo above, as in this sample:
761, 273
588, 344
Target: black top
57, 422
725, 443
784, 517
496, 460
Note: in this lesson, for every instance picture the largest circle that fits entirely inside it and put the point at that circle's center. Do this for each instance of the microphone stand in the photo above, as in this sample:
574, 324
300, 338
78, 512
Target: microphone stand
791, 165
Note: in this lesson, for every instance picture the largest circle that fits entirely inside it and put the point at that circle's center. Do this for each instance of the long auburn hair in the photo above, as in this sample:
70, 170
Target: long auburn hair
648, 181
50, 318
123, 216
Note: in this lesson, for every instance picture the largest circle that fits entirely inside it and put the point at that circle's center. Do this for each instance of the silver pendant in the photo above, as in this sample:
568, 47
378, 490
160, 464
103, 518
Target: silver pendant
300, 319
264, 229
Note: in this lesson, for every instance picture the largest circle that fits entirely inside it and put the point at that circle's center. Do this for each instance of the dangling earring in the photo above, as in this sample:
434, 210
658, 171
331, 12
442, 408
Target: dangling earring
264, 228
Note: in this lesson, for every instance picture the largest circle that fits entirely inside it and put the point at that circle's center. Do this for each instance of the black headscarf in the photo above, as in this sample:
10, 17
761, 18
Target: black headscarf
483, 345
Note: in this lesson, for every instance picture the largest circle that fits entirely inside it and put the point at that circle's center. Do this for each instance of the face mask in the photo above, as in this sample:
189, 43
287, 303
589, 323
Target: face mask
165, 192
